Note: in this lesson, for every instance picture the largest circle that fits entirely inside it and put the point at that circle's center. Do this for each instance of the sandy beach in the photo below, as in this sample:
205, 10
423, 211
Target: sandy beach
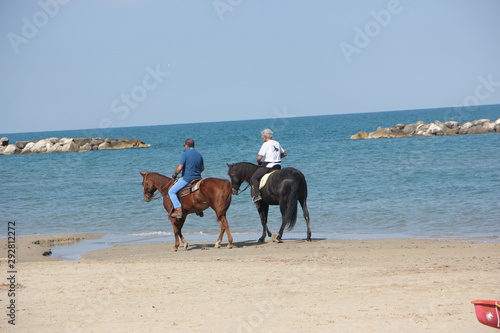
384, 285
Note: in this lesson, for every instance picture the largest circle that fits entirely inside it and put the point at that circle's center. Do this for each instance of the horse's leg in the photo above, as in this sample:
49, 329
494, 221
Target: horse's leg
223, 221
269, 233
303, 204
283, 209
224, 227
263, 210
221, 234
176, 229
181, 224
219, 199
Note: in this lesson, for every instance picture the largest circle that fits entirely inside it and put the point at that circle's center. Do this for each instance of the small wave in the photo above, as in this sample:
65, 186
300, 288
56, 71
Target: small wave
154, 233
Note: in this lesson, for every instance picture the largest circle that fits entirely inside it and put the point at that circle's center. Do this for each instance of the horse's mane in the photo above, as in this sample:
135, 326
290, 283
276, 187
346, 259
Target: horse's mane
157, 175
246, 164
160, 180
245, 168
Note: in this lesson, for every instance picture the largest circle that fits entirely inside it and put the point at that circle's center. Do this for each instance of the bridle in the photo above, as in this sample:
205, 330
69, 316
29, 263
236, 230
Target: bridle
238, 191
158, 194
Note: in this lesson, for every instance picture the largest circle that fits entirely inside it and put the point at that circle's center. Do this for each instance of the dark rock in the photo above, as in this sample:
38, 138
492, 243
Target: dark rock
96, 141
409, 130
452, 124
70, 146
21, 144
104, 145
464, 128
82, 141
86, 147
381, 132
52, 140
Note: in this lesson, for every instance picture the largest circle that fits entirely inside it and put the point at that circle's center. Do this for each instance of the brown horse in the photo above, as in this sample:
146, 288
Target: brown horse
213, 192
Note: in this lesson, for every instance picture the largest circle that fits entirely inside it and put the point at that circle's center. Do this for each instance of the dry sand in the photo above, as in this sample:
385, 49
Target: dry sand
386, 285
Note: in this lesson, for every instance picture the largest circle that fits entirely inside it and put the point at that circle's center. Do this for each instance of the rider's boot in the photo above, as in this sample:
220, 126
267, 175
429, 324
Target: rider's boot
177, 214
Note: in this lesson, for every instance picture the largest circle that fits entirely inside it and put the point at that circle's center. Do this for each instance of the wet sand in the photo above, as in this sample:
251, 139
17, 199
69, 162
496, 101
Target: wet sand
381, 285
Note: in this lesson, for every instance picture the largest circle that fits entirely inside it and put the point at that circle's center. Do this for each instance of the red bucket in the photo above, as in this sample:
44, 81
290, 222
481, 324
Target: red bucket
488, 312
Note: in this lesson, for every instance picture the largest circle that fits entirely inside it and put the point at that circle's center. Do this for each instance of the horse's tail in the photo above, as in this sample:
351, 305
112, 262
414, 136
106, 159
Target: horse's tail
298, 193
303, 187
291, 206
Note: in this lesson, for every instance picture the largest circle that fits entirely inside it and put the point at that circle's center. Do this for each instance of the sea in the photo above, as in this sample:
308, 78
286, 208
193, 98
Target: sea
419, 187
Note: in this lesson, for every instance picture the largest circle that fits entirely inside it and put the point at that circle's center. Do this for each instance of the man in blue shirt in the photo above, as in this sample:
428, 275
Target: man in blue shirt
191, 165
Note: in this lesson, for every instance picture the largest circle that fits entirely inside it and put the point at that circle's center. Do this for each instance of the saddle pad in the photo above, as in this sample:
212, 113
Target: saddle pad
264, 179
193, 186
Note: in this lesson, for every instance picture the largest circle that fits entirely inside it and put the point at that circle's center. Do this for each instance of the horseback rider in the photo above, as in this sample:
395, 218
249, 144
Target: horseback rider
191, 165
272, 152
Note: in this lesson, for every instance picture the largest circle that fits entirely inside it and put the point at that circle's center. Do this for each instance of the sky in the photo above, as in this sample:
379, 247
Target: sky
81, 64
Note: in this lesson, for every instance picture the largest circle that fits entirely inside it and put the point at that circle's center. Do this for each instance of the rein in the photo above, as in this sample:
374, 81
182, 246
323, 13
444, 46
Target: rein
241, 191
159, 194
156, 196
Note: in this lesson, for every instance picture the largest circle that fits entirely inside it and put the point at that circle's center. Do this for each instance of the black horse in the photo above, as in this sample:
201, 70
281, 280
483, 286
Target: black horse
284, 188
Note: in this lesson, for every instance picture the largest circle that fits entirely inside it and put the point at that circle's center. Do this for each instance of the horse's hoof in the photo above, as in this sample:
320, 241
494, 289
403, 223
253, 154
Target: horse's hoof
217, 245
277, 239
186, 246
174, 249
261, 240
229, 246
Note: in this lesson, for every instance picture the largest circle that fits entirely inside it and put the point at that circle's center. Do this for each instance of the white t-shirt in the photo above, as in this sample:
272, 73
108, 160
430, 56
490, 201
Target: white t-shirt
271, 150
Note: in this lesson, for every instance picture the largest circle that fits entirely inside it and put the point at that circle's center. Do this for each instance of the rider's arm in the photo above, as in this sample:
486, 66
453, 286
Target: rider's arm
283, 154
178, 170
259, 159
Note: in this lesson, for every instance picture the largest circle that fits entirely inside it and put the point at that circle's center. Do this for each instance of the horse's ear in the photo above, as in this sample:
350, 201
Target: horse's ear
229, 165
143, 174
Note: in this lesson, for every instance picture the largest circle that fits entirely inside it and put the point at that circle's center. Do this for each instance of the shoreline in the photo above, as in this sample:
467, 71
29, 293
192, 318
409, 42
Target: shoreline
74, 246
327, 285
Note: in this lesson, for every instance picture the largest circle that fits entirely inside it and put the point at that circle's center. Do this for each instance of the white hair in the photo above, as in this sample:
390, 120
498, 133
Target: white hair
267, 133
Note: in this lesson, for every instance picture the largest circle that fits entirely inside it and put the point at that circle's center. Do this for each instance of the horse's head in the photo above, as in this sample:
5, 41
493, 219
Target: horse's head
236, 178
149, 186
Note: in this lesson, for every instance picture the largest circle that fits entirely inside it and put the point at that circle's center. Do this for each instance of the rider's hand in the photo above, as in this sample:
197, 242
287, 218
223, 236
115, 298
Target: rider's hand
174, 176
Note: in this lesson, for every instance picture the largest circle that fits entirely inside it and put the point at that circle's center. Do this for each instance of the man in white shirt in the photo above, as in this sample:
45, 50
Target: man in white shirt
272, 152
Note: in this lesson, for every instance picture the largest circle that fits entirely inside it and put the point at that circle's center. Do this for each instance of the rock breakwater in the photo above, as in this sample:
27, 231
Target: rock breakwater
433, 129
55, 145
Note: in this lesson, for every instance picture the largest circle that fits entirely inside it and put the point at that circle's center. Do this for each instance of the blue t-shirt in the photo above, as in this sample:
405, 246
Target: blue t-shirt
192, 161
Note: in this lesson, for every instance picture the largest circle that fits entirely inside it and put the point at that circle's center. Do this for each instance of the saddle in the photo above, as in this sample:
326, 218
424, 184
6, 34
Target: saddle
263, 180
193, 186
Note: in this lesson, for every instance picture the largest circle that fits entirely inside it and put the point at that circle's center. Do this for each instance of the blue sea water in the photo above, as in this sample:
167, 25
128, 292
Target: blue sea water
444, 186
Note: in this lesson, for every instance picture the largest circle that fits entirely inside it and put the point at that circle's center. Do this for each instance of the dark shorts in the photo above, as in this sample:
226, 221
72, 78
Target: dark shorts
261, 171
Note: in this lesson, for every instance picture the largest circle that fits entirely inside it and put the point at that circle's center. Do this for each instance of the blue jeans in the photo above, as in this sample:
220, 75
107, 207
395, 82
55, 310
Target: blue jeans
172, 193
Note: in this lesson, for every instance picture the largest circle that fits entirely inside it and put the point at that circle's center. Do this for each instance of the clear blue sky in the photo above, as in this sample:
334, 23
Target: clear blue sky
74, 64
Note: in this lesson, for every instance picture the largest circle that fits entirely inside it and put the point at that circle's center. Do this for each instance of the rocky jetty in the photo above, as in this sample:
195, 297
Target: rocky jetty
436, 128
55, 145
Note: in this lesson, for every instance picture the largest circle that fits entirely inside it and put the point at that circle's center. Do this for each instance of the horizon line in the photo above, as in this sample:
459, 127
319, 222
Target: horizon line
250, 119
